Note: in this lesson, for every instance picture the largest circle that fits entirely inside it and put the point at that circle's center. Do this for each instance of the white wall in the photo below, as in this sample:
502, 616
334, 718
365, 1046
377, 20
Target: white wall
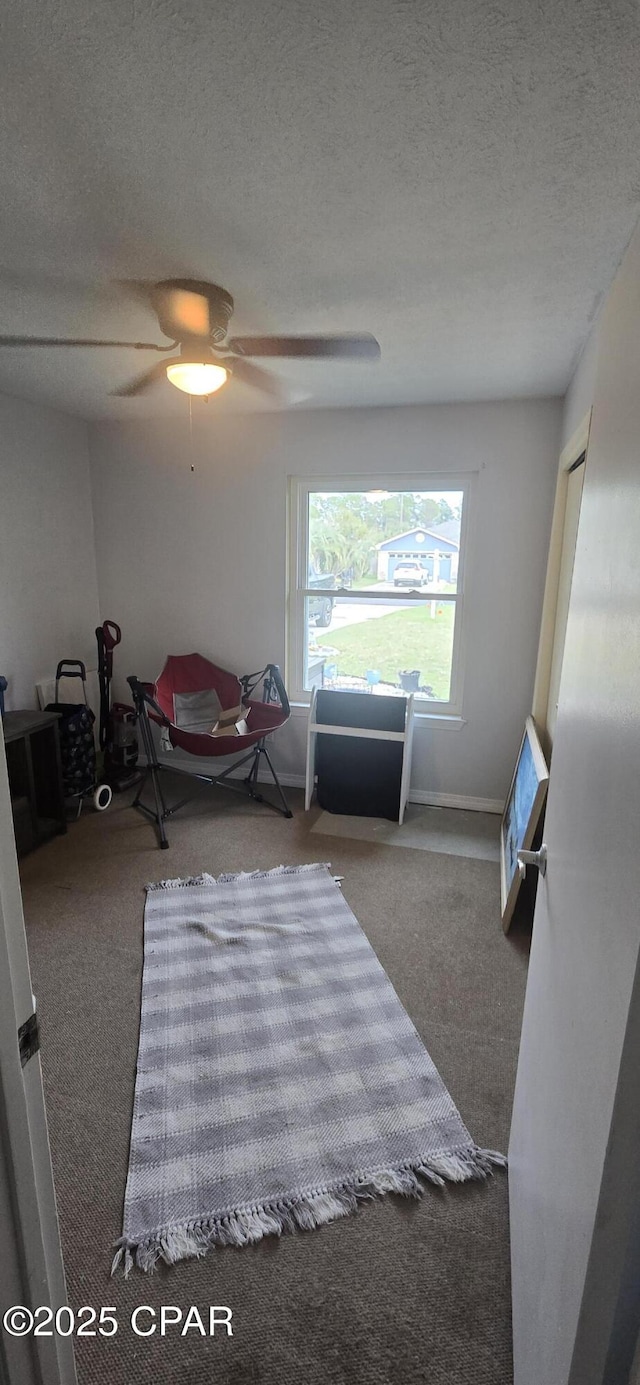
48, 586
197, 560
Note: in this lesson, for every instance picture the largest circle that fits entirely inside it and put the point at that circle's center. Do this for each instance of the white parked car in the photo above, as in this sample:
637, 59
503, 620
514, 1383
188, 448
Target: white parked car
409, 574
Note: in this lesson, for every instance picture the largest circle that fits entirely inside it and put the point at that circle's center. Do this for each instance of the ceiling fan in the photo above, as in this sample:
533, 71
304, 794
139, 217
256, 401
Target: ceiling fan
194, 315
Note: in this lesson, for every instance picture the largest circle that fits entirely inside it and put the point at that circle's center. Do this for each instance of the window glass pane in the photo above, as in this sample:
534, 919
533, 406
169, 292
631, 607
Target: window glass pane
380, 646
384, 539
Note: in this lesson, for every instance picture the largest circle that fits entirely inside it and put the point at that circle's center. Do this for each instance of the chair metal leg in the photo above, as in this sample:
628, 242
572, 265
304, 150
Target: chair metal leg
160, 809
285, 806
251, 780
152, 772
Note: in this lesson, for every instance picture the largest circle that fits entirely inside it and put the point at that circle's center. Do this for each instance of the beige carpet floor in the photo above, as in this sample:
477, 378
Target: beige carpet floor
453, 831
399, 1294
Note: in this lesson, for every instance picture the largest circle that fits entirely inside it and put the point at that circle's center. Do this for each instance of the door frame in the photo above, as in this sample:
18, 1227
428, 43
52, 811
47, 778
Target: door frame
571, 453
32, 1271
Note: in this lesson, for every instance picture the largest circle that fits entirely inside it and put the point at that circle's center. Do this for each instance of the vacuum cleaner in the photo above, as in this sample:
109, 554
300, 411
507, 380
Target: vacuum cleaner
118, 739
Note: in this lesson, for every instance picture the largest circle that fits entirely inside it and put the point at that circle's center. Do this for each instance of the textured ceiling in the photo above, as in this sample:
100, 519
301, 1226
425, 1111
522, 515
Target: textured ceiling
459, 177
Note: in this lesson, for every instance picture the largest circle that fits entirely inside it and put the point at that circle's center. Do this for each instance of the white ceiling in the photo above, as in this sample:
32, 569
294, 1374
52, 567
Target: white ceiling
459, 177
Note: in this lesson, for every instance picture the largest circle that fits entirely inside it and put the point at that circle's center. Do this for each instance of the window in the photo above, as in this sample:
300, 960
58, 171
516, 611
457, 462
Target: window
376, 586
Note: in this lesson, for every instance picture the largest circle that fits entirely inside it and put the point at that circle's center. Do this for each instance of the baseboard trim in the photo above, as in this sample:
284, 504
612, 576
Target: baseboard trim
297, 781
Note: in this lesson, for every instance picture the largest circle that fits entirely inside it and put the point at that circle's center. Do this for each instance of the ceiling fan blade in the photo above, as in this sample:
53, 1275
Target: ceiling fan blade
142, 382
251, 374
362, 346
81, 341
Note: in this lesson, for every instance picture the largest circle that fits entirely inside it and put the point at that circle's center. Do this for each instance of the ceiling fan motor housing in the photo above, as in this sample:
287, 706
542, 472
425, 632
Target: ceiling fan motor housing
220, 305
196, 349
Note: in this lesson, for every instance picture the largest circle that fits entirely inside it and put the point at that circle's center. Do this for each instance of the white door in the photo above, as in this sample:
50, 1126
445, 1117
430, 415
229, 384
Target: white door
31, 1272
557, 592
575, 1140
565, 579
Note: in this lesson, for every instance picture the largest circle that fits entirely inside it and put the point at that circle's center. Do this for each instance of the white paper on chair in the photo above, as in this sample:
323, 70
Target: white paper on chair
202, 713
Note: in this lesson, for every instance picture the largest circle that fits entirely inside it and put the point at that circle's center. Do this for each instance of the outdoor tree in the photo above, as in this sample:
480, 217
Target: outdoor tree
345, 529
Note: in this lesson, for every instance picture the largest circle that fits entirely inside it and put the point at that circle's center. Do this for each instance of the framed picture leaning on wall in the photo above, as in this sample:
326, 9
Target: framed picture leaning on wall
525, 801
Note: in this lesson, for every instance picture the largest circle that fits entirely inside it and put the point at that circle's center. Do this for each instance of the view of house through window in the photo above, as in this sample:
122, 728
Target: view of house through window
379, 590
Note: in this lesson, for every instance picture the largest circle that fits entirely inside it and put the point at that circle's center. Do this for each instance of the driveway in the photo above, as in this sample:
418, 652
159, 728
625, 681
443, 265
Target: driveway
350, 610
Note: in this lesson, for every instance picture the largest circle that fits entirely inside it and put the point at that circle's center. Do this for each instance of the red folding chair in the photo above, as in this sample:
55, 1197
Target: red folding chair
191, 687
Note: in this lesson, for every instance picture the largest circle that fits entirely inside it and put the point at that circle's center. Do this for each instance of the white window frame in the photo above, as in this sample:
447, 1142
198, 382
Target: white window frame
300, 487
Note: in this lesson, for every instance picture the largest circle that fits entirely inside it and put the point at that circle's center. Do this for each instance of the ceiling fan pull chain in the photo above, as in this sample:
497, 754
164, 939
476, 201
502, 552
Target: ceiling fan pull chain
191, 431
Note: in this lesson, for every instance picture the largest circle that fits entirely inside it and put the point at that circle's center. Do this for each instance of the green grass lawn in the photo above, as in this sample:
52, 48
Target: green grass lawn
404, 640
362, 582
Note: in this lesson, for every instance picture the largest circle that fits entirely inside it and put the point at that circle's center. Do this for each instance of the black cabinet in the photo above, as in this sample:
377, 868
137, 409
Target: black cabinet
35, 777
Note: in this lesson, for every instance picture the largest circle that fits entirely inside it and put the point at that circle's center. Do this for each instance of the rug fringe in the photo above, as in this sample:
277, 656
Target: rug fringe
178, 884
303, 1211
228, 879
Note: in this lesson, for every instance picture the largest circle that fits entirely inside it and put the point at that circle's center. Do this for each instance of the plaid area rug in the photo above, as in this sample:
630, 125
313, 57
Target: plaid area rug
279, 1079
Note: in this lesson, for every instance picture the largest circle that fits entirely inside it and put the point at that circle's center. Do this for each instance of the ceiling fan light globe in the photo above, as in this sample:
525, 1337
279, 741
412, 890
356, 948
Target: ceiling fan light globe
197, 377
